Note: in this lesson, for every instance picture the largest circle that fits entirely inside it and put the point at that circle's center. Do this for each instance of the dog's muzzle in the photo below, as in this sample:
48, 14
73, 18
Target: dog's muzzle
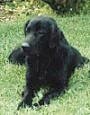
29, 50
26, 47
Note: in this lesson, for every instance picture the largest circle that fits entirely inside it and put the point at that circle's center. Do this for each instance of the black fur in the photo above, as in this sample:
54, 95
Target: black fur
17, 56
50, 60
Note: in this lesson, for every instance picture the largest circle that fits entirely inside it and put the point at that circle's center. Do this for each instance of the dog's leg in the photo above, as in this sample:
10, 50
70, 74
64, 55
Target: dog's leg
26, 100
27, 94
49, 95
54, 92
46, 99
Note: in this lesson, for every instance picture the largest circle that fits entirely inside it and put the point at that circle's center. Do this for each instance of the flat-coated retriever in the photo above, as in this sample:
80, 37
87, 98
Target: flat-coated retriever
49, 58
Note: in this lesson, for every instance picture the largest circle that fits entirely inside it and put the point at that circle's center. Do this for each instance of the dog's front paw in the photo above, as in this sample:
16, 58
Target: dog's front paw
21, 105
24, 104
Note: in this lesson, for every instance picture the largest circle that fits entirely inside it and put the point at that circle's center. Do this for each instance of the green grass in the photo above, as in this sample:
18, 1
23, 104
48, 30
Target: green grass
76, 100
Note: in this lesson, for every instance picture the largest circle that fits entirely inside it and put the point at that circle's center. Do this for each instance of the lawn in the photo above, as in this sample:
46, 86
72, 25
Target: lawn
76, 100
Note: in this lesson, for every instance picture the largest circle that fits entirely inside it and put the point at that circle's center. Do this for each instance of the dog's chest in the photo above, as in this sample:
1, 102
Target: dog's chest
47, 71
44, 70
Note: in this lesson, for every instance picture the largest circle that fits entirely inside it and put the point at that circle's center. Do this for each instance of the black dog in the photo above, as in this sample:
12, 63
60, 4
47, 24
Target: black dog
49, 58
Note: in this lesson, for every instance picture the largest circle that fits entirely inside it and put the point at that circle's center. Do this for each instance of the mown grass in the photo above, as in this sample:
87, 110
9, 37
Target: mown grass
76, 100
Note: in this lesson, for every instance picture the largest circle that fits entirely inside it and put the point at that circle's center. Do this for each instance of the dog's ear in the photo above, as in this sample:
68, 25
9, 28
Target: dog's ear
25, 27
54, 36
17, 56
62, 37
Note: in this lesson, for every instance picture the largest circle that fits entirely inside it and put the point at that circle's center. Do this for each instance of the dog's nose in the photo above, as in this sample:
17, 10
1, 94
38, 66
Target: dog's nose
25, 46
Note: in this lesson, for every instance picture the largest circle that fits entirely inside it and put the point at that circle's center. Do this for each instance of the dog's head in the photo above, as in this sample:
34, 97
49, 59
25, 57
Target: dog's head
41, 33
